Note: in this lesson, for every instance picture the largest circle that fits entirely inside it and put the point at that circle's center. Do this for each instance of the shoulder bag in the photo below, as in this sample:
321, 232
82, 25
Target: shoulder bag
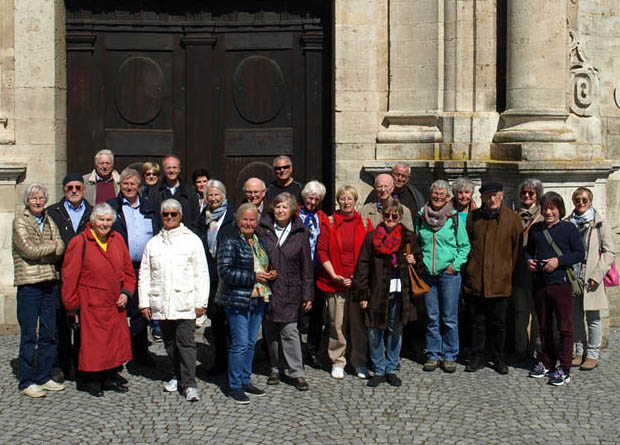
576, 283
417, 285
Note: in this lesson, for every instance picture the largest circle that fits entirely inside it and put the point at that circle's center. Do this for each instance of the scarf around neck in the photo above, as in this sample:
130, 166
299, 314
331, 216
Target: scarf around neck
581, 220
488, 213
529, 214
211, 219
437, 218
386, 243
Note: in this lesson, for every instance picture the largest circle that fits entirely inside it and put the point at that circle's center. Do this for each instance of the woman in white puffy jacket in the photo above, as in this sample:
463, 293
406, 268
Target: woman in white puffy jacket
174, 289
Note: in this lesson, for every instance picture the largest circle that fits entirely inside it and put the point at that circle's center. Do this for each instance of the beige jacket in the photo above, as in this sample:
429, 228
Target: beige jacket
597, 265
34, 253
371, 211
90, 185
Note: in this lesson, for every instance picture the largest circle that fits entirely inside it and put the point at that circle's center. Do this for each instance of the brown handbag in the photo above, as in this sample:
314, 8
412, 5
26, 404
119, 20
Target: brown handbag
417, 285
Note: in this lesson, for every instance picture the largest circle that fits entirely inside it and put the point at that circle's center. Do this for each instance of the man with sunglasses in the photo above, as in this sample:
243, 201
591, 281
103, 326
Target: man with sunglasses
70, 214
384, 186
283, 168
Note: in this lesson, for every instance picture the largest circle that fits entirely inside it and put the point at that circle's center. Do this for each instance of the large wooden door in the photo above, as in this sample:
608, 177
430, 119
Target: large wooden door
225, 87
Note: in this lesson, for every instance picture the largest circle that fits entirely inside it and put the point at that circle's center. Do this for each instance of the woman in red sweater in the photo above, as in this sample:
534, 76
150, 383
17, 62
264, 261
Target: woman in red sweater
337, 250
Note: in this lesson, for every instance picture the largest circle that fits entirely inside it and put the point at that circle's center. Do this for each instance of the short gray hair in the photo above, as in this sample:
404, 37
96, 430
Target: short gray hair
277, 158
387, 175
171, 204
440, 184
402, 164
33, 188
101, 209
289, 199
104, 152
254, 179
216, 184
314, 188
129, 173
245, 207
535, 184
462, 183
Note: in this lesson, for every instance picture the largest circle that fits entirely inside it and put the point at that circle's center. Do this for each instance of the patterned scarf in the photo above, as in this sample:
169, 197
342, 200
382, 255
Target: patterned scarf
211, 219
528, 215
311, 221
261, 264
437, 218
386, 243
582, 220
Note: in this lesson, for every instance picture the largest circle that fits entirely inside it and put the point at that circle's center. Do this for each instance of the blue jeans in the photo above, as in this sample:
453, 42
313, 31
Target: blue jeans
36, 303
384, 345
442, 306
244, 326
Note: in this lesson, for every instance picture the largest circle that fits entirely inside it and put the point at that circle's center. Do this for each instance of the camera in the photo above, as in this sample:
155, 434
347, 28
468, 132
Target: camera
540, 265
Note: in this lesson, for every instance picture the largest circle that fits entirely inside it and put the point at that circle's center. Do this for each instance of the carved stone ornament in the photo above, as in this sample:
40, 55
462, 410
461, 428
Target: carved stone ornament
584, 81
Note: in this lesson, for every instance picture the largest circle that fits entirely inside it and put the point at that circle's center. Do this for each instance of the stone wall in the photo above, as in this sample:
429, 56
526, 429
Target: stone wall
32, 139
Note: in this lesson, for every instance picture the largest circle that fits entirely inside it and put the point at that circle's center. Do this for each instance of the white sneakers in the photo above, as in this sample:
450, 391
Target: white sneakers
191, 394
338, 372
51, 385
171, 386
34, 391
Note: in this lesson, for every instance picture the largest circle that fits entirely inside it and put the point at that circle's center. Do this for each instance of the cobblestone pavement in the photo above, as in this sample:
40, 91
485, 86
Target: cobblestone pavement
483, 407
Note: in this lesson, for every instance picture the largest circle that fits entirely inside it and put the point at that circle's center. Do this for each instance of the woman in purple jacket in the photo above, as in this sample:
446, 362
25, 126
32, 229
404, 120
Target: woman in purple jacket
285, 238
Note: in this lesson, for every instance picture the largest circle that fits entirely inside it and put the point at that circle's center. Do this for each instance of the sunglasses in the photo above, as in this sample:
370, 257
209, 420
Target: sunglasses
580, 199
389, 216
282, 167
169, 214
77, 188
528, 193
151, 174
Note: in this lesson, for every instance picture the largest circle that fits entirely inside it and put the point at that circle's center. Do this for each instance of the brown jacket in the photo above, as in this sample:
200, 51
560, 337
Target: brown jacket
495, 245
371, 281
35, 253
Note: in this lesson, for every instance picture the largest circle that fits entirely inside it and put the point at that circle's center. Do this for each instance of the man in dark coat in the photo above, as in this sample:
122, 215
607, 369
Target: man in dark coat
171, 186
137, 222
71, 214
495, 234
406, 193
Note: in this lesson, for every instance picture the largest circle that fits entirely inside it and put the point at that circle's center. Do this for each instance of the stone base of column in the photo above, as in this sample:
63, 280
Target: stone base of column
406, 127
546, 151
534, 126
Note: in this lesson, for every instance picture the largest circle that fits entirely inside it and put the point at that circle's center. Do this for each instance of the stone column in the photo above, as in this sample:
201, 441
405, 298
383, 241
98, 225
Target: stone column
537, 74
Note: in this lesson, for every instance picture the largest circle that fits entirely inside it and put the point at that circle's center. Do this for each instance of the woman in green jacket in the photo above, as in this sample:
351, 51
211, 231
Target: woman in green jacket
445, 247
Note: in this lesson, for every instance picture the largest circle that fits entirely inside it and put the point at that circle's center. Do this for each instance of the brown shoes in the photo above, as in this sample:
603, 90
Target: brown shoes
589, 364
577, 361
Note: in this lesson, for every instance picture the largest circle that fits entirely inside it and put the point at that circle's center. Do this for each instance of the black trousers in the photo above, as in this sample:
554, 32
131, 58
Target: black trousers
316, 322
220, 336
68, 342
488, 326
137, 323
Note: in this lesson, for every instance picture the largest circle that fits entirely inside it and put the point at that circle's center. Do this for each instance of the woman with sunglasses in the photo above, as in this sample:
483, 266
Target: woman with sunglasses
382, 266
174, 289
525, 324
150, 176
600, 252
445, 247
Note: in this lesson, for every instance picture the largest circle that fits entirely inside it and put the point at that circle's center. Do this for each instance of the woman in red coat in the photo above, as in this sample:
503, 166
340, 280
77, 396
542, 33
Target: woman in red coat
337, 251
97, 279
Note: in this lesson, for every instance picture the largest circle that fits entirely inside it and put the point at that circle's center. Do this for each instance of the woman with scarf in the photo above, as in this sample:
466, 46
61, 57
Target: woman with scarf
338, 249
600, 252
382, 266
216, 221
522, 301
315, 220
445, 247
286, 241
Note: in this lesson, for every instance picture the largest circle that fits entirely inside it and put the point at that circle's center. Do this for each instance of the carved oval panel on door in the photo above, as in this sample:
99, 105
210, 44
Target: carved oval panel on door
258, 89
139, 90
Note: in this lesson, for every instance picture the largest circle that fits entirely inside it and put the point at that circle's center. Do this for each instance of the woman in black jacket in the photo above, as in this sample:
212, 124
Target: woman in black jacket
243, 289
286, 240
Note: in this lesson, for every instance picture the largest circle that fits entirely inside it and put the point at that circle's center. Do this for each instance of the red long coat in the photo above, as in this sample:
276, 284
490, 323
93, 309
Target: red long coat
93, 279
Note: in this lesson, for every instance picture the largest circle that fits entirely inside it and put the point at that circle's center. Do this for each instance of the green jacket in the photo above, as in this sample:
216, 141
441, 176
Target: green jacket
444, 247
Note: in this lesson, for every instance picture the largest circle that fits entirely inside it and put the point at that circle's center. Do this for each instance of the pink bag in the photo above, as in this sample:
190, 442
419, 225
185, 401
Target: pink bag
611, 278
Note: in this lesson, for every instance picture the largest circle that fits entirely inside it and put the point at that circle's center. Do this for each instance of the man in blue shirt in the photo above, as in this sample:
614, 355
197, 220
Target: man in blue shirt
137, 222
70, 214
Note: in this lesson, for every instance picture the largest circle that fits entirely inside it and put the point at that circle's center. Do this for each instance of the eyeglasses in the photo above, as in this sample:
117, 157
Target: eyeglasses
581, 199
282, 167
77, 188
528, 193
151, 174
253, 192
37, 199
400, 175
169, 214
382, 187
388, 216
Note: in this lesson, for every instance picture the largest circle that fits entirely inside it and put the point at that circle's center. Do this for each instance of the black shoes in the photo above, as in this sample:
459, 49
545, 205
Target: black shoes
500, 367
252, 390
376, 380
300, 383
93, 388
393, 379
114, 385
274, 378
475, 365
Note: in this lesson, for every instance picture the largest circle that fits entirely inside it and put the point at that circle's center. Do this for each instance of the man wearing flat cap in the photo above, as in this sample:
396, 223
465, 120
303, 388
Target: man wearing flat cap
495, 236
70, 214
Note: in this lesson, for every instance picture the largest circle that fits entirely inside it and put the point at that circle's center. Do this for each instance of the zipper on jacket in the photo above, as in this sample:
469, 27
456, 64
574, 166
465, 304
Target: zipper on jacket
433, 254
